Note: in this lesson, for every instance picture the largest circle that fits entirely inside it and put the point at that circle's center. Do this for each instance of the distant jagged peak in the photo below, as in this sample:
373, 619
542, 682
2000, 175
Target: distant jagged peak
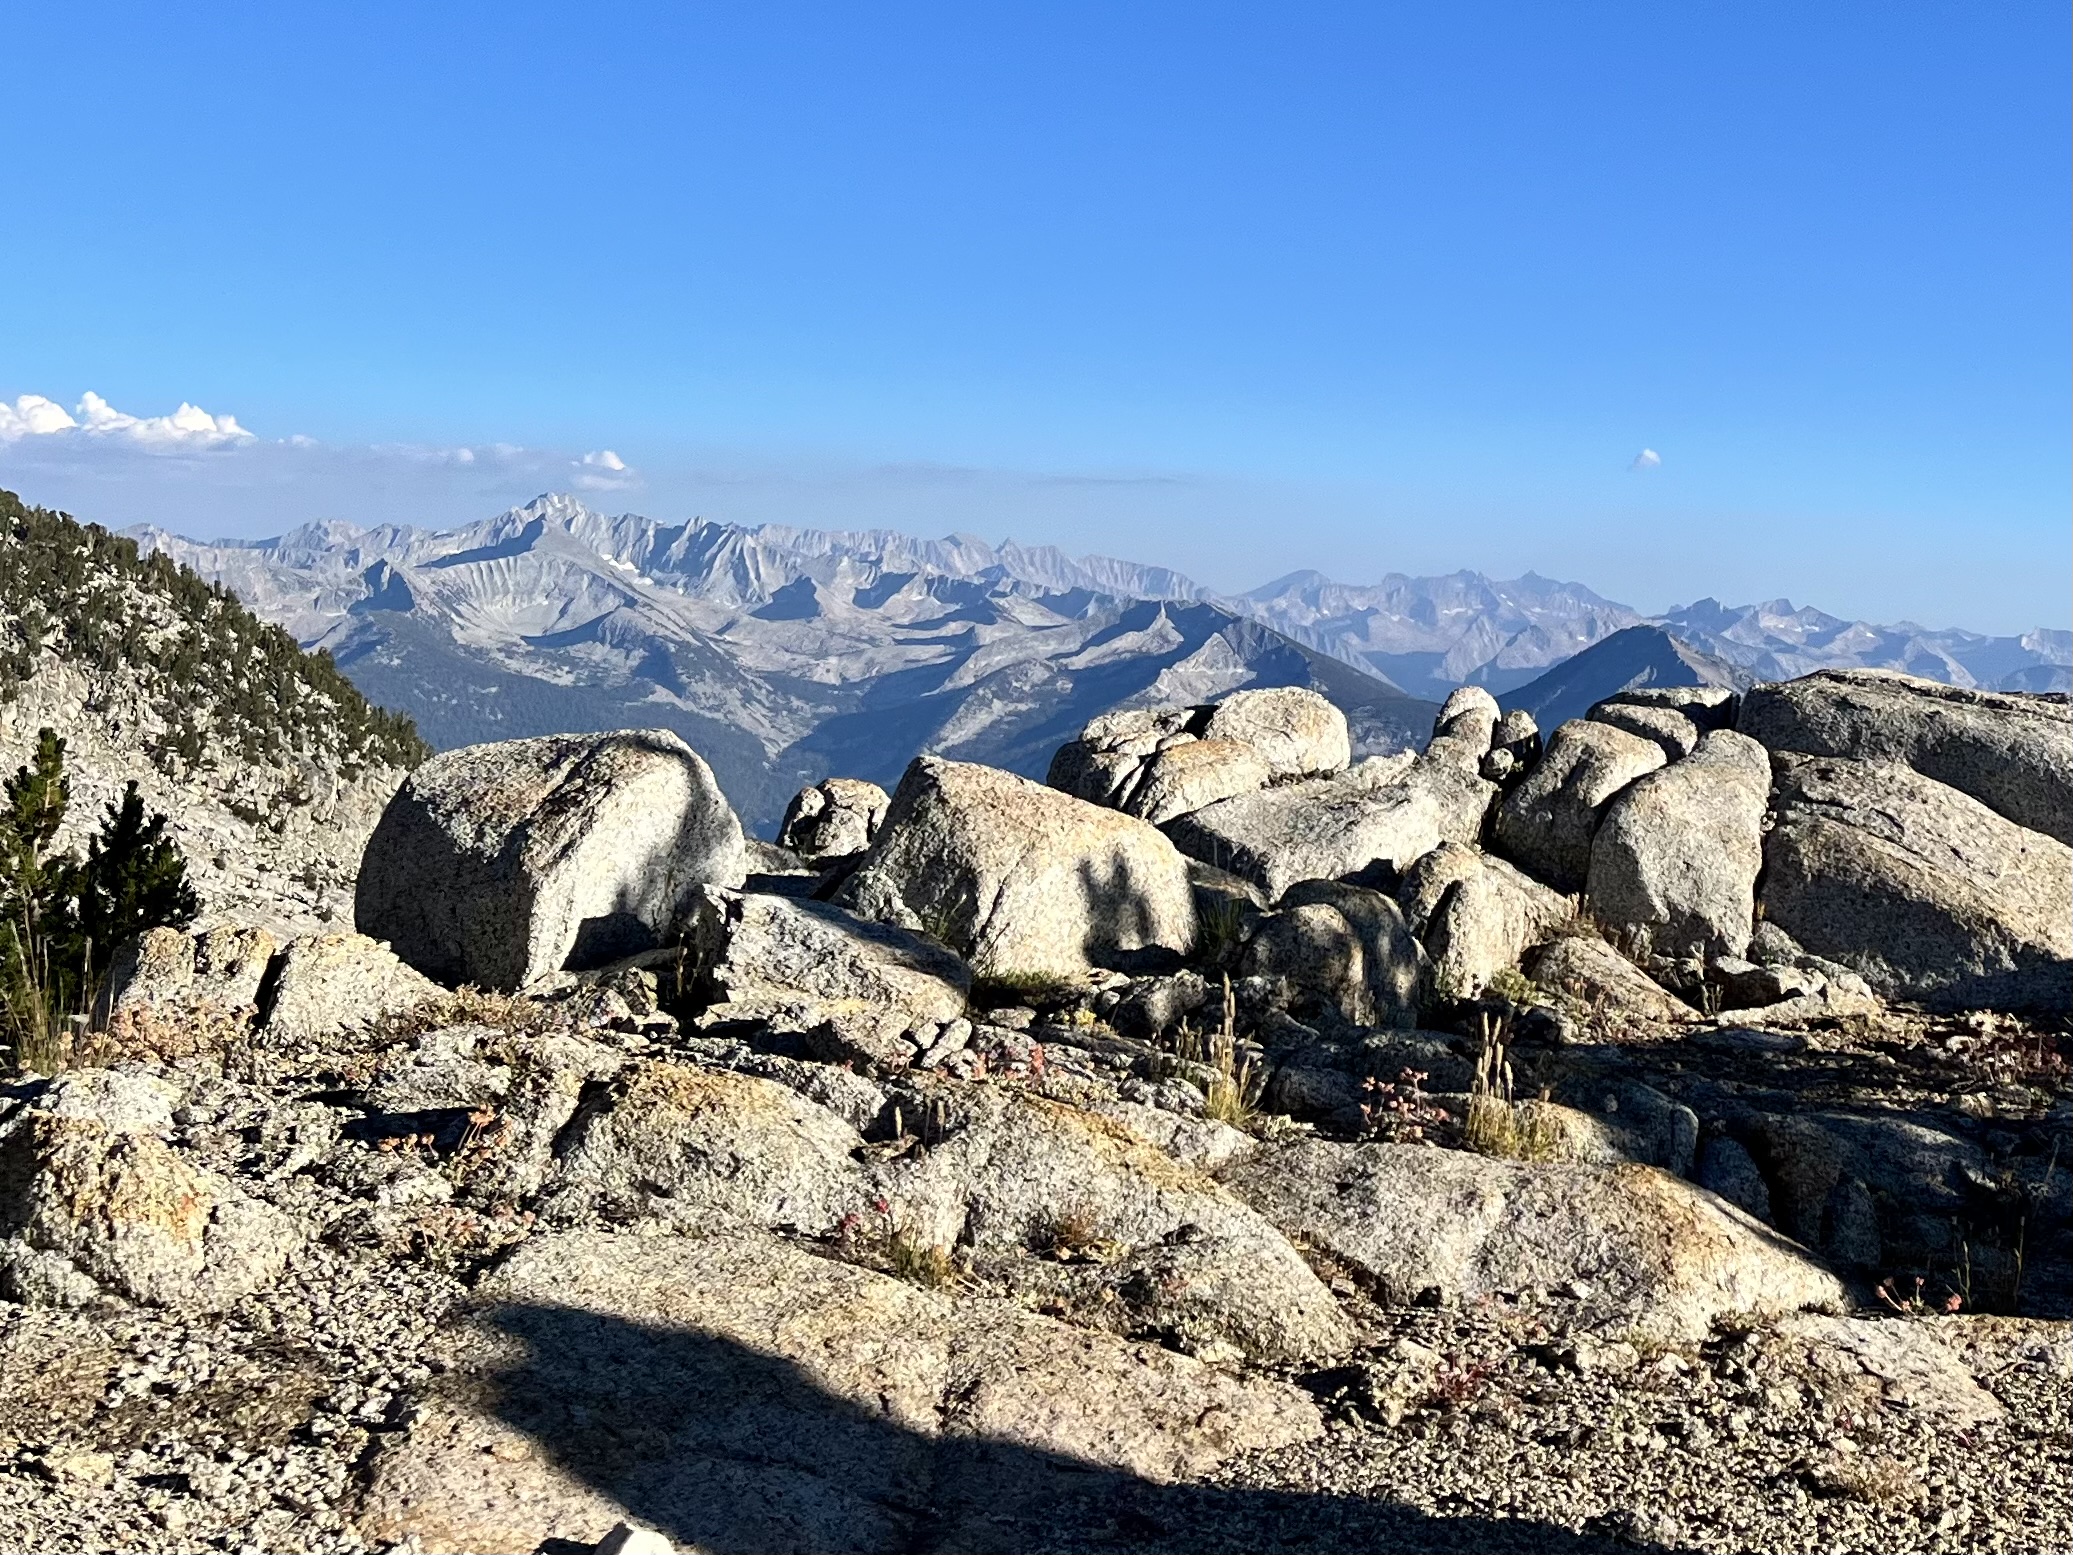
561, 511
2044, 640
960, 554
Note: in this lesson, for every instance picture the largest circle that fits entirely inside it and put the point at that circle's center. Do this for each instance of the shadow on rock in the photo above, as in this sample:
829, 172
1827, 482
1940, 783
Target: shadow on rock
728, 1450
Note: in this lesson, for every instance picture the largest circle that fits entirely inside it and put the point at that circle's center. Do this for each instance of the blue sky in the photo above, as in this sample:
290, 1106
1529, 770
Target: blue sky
1235, 288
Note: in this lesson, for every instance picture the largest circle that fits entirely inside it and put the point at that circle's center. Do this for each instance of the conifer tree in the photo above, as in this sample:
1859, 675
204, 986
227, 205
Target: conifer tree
133, 879
61, 920
32, 887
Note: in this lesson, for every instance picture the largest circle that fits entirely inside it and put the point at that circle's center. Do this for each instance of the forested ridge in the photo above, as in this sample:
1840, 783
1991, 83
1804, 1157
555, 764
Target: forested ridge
226, 686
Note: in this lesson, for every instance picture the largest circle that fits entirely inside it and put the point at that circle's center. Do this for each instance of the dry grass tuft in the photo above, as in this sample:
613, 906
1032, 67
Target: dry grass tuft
1221, 934
1876, 1481
1075, 1237
909, 1258
1234, 1083
52, 1048
1496, 1124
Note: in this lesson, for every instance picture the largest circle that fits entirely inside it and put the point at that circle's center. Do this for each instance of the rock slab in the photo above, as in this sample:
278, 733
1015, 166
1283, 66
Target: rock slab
1923, 890
1381, 812
757, 954
733, 1392
1657, 1256
93, 1200
2012, 753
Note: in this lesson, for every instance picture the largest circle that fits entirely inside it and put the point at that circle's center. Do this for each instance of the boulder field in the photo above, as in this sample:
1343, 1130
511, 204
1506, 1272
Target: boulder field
1121, 1161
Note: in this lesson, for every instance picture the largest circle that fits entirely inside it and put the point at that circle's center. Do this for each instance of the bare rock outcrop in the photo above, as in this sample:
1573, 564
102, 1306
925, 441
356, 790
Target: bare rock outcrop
1004, 1173
1163, 762
1476, 915
498, 863
1925, 891
1667, 726
173, 992
1384, 811
833, 819
1911, 1368
1465, 728
1104, 764
1600, 979
93, 1200
1393, 966
1313, 952
324, 984
1259, 784
1185, 777
1515, 746
754, 955
1654, 1255
1708, 707
1296, 732
1021, 1185
1017, 877
1868, 1190
700, 1150
2012, 753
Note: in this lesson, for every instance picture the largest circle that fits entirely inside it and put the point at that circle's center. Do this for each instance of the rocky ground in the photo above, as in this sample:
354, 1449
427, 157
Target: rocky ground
1501, 1421
1655, 1140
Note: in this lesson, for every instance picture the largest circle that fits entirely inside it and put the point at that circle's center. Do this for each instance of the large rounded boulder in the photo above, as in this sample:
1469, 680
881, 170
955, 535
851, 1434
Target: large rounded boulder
1017, 877
1476, 915
1160, 763
1297, 732
1680, 848
1546, 824
497, 863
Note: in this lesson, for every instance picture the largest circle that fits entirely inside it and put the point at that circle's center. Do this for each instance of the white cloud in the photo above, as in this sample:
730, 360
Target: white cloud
95, 434
33, 415
1647, 459
604, 470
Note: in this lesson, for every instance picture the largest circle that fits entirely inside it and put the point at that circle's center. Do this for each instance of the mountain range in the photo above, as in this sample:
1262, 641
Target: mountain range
785, 654
782, 655
1429, 635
